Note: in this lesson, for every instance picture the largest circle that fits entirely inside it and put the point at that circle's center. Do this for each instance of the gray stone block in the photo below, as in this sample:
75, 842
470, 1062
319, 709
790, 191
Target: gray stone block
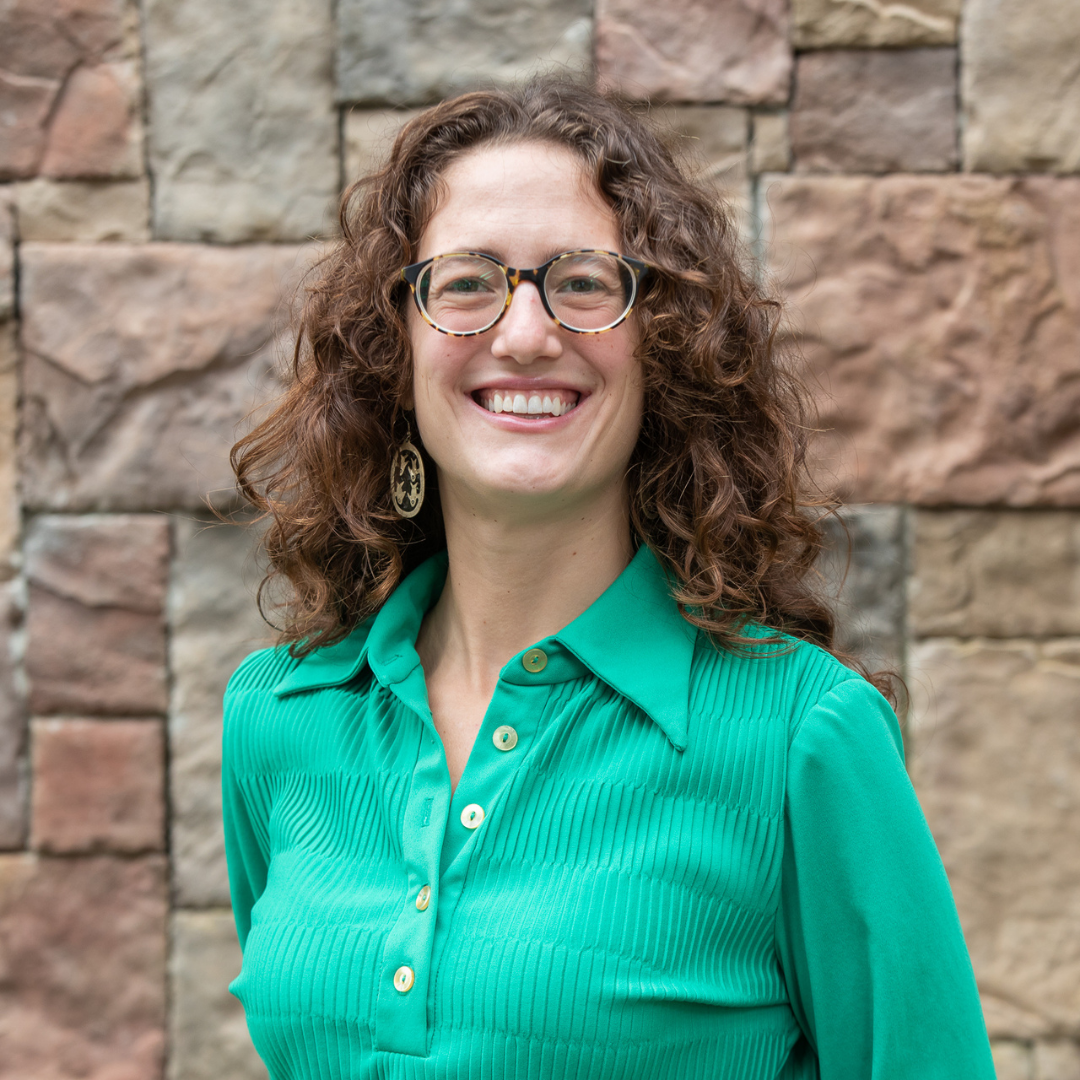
875, 111
208, 1036
1020, 88
214, 624
12, 727
865, 571
417, 51
243, 131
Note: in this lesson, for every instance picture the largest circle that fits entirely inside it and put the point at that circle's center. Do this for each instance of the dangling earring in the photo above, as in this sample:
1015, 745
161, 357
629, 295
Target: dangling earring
407, 478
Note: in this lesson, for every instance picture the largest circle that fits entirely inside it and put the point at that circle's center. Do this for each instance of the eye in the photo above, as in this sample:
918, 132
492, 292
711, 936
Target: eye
466, 285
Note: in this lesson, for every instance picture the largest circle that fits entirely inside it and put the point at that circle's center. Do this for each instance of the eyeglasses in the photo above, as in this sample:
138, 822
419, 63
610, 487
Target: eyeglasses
466, 293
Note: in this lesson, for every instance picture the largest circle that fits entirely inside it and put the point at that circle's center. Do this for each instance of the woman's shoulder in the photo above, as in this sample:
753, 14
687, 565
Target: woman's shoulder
771, 674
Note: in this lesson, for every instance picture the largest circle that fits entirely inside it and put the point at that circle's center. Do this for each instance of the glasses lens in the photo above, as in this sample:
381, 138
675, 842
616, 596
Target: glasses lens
590, 290
462, 293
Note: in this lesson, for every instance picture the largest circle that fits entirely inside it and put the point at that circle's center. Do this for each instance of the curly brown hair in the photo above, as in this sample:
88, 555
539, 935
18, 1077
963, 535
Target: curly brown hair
717, 481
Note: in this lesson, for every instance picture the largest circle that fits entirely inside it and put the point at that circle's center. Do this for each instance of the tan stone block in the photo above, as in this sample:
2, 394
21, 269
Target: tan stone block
7, 255
994, 752
1012, 1060
1057, 1059
101, 560
95, 625
208, 1036
875, 111
82, 950
854, 24
141, 363
996, 573
369, 135
695, 50
98, 785
770, 146
12, 726
84, 211
940, 317
95, 130
714, 139
214, 624
1020, 89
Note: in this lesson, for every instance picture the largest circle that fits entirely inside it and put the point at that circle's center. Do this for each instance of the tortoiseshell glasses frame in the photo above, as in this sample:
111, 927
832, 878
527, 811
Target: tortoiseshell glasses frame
513, 276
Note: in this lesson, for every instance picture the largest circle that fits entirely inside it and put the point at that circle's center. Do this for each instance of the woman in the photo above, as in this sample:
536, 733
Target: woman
559, 777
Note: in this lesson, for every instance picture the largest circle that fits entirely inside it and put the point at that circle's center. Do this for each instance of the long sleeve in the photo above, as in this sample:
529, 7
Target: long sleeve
246, 844
867, 932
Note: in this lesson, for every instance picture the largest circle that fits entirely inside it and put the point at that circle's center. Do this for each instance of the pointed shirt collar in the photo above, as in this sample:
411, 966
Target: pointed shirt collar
632, 637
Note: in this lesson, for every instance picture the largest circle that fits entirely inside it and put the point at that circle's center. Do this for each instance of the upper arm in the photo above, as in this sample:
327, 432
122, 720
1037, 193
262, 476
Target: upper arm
867, 933
243, 813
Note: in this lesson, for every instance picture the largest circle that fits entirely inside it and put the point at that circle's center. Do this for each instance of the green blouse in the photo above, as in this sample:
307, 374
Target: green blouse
663, 862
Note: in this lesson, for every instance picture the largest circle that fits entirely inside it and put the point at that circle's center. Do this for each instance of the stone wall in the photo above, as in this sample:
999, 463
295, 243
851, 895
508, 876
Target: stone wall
907, 172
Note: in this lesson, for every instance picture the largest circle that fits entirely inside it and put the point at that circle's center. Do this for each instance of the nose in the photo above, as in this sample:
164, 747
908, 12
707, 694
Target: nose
526, 332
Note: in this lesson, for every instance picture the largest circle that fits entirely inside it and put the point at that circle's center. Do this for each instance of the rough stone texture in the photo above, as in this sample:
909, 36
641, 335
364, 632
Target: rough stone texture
208, 1034
215, 624
1058, 1059
9, 391
874, 111
996, 573
770, 146
734, 51
941, 319
996, 763
714, 139
369, 134
99, 785
141, 362
243, 133
1020, 87
83, 211
95, 626
413, 52
82, 950
12, 726
865, 571
1013, 1061
69, 92
854, 24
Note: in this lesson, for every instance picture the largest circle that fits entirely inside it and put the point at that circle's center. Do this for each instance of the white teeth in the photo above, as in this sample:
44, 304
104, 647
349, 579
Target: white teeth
520, 405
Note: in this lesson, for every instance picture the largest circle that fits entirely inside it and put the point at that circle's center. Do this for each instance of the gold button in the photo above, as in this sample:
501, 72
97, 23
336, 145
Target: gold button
505, 738
423, 898
404, 979
534, 660
472, 815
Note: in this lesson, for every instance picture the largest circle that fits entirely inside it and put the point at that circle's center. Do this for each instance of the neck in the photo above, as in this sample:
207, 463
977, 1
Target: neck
512, 582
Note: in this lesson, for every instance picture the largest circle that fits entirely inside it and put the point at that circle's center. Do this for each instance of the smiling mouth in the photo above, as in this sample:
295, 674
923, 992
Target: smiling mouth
538, 406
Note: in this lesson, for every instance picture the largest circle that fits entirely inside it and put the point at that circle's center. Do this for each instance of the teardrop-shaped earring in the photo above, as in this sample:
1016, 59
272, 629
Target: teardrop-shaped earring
407, 478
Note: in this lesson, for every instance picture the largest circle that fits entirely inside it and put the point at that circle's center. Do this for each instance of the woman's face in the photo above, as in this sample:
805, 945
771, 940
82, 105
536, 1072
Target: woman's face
524, 204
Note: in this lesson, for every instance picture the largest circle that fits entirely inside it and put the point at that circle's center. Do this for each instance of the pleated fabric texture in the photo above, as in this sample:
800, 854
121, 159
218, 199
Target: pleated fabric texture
614, 915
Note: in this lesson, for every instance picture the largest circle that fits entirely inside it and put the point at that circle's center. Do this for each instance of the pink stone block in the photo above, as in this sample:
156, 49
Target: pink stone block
941, 320
98, 785
732, 51
82, 951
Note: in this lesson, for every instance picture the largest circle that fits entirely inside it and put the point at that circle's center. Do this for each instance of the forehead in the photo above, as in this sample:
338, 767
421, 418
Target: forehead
518, 199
